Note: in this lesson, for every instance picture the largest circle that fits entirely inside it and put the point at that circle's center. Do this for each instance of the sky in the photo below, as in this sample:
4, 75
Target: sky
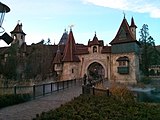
43, 19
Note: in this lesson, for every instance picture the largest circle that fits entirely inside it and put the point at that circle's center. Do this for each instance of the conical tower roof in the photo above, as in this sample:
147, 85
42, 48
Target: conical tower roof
58, 57
124, 34
70, 49
18, 29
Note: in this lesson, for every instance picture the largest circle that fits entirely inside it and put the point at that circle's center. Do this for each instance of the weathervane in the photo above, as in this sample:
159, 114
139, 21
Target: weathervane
71, 26
18, 21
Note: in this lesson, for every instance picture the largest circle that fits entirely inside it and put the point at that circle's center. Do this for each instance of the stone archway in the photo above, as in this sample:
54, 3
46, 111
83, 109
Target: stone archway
95, 71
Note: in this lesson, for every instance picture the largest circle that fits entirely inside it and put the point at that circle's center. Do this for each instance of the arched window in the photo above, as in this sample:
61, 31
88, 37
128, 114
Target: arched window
15, 37
123, 65
22, 37
94, 49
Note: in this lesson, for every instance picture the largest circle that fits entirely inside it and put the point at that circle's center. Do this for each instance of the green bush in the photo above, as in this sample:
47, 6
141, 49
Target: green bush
11, 99
88, 107
146, 80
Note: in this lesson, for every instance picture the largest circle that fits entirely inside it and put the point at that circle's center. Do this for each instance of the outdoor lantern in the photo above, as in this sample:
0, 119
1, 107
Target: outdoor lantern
4, 9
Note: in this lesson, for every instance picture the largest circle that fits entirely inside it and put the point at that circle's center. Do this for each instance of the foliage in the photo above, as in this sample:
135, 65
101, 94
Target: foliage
37, 62
1, 65
7, 100
10, 66
149, 54
122, 93
88, 107
146, 80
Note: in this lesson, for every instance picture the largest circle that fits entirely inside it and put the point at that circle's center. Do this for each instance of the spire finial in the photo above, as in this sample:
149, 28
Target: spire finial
95, 33
124, 14
18, 21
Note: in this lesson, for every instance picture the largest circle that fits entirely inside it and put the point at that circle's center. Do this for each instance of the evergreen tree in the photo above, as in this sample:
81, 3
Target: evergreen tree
149, 54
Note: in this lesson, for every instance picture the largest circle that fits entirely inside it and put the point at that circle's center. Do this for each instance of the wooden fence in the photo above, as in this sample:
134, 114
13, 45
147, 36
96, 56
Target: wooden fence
93, 89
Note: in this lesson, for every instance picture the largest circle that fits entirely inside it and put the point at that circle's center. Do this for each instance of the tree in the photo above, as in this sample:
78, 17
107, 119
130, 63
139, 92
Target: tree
149, 54
1, 65
10, 66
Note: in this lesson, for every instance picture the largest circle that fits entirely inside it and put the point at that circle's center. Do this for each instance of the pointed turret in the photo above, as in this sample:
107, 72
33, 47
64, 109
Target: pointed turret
63, 39
58, 57
18, 35
132, 23
94, 41
124, 34
58, 62
70, 49
133, 28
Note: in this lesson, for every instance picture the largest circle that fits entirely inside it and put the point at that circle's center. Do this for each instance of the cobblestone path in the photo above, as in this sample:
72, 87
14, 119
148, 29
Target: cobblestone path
28, 110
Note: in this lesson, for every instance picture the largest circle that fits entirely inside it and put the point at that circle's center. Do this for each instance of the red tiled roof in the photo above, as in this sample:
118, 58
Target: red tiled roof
124, 34
106, 49
81, 49
18, 29
70, 50
58, 57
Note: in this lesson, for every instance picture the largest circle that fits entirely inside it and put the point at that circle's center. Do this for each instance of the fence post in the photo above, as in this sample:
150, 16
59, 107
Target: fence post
63, 85
93, 88
82, 89
34, 91
75, 81
51, 87
67, 83
107, 91
71, 82
57, 86
15, 92
43, 89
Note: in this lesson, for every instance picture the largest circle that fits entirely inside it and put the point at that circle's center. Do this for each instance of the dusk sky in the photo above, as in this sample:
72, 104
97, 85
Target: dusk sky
43, 19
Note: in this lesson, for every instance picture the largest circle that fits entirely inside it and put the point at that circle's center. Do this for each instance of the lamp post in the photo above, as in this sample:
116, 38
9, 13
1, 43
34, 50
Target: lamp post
4, 9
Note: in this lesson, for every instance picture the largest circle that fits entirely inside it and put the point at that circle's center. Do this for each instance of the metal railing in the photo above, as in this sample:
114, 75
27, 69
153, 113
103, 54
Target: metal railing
39, 90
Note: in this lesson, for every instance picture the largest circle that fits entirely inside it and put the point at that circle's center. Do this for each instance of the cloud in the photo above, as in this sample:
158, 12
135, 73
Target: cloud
140, 6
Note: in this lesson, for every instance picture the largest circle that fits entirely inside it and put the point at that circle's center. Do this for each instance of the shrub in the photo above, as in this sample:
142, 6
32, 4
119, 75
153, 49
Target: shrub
146, 80
11, 99
121, 92
89, 107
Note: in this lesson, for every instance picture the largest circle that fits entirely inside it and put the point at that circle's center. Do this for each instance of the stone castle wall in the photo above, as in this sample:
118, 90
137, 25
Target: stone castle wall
133, 68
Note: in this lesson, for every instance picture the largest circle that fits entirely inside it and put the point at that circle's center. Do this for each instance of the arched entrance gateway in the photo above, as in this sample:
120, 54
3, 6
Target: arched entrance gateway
95, 71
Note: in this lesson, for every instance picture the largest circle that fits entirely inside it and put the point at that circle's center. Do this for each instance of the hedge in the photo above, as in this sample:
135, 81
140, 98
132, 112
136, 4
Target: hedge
11, 99
89, 107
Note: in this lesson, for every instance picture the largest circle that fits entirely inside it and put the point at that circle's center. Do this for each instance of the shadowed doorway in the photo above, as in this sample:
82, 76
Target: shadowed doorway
95, 71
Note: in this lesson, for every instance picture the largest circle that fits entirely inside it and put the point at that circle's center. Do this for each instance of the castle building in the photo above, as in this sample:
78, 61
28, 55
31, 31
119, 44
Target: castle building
70, 60
118, 62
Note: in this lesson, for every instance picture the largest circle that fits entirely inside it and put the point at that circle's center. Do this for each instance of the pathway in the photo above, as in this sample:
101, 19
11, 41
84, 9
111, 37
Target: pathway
28, 110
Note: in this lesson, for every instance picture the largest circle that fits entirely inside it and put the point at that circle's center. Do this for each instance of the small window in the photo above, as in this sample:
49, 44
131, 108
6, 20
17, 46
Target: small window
22, 37
72, 70
15, 37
